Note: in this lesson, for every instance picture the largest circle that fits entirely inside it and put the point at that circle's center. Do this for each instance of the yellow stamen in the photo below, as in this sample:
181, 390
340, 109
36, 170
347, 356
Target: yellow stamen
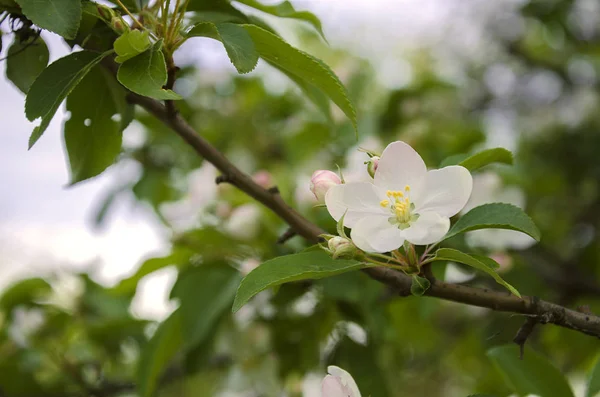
389, 193
384, 203
407, 188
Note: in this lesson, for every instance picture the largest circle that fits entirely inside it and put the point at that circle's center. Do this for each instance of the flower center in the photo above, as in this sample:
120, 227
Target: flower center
401, 207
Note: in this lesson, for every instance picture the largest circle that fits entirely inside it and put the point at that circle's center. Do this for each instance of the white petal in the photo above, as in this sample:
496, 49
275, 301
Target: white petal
428, 229
400, 165
376, 234
356, 200
347, 379
446, 191
332, 387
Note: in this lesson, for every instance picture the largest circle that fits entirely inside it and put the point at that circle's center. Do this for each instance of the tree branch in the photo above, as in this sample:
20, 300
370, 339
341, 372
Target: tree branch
541, 311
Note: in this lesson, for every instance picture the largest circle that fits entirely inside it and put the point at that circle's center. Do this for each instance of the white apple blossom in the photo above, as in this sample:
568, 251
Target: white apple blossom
339, 383
405, 202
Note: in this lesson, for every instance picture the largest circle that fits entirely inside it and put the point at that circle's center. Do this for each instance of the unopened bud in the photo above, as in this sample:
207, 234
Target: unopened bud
105, 12
119, 25
263, 178
341, 247
372, 165
321, 181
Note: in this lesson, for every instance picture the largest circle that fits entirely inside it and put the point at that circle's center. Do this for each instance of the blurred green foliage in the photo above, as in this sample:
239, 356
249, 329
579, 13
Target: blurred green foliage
91, 344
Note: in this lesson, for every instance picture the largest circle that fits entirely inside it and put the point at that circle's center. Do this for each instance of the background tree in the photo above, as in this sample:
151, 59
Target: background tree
536, 75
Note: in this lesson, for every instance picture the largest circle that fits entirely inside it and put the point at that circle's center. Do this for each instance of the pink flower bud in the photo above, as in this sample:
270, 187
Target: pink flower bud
372, 165
263, 178
321, 181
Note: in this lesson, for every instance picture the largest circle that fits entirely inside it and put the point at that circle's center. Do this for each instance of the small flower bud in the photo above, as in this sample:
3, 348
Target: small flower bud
119, 25
321, 181
341, 247
105, 12
263, 178
372, 165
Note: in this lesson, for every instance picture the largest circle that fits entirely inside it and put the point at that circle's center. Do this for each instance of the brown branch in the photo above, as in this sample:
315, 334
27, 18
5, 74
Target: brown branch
544, 312
524, 333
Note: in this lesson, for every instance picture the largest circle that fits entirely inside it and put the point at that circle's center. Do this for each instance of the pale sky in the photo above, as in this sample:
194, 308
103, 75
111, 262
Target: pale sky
45, 226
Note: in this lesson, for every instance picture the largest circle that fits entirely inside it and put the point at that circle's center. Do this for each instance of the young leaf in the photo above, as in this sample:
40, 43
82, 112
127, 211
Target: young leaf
593, 387
54, 84
495, 216
146, 74
285, 9
275, 50
484, 264
23, 293
419, 285
25, 61
180, 257
58, 16
533, 374
205, 293
235, 39
486, 157
156, 354
130, 44
284, 269
92, 137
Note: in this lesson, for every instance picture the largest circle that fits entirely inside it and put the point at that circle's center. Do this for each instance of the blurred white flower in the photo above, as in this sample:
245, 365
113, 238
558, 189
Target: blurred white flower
339, 383
202, 190
248, 265
244, 222
25, 323
488, 188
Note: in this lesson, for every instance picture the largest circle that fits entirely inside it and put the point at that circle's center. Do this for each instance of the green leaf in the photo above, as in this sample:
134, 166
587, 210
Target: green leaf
285, 9
495, 216
92, 137
58, 16
130, 44
23, 293
54, 84
155, 356
419, 285
25, 61
275, 50
482, 263
146, 74
533, 374
284, 269
453, 160
593, 387
486, 157
179, 257
236, 40
205, 294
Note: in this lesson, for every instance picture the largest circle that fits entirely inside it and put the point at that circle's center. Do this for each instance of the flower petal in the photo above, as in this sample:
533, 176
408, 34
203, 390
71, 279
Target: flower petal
446, 191
428, 229
332, 387
356, 200
347, 379
400, 165
376, 234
